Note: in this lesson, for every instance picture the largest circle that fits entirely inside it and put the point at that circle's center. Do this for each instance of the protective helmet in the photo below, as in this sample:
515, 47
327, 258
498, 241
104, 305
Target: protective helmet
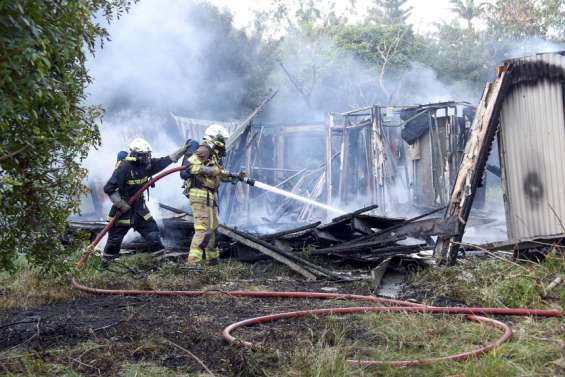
218, 136
140, 151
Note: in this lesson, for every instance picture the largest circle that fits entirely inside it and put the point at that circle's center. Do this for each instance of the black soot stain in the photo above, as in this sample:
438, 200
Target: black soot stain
533, 188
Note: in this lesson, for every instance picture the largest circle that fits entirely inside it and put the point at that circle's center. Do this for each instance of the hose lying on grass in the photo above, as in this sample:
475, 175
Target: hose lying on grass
398, 306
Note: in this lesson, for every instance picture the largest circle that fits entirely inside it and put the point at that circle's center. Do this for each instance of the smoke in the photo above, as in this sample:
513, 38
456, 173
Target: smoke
179, 57
165, 56
184, 57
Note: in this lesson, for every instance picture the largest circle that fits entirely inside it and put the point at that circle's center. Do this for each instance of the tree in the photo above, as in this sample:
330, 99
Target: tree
394, 11
515, 19
389, 49
45, 128
467, 10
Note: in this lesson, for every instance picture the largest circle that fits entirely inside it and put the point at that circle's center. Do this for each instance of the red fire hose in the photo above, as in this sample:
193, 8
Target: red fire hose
400, 306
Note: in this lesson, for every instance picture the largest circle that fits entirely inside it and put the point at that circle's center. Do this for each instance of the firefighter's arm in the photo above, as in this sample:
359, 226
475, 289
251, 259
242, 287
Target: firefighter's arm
158, 164
198, 167
112, 188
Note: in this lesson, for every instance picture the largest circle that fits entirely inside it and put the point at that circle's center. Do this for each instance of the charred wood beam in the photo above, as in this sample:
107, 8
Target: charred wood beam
243, 126
380, 254
291, 231
351, 215
424, 228
291, 260
473, 164
265, 248
361, 226
361, 246
391, 229
323, 235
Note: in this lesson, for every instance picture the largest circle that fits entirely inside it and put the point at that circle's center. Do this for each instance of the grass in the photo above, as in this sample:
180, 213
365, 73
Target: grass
536, 349
493, 282
28, 287
321, 349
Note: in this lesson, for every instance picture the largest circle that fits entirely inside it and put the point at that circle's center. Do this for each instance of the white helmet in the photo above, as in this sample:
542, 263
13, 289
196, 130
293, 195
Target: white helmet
215, 132
140, 151
140, 146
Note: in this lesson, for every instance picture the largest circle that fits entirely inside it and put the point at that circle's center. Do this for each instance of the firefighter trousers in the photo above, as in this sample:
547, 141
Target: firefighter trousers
147, 228
203, 244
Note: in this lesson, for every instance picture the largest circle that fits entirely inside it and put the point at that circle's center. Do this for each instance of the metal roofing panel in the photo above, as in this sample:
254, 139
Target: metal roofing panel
533, 148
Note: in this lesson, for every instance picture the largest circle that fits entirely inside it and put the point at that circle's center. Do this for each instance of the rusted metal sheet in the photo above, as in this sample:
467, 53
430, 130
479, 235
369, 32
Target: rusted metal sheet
532, 147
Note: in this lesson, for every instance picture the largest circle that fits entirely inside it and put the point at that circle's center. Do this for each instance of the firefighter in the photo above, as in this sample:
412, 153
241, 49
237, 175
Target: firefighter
128, 177
205, 173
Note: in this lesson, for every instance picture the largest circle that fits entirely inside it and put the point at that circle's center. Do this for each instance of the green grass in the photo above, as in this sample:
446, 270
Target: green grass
536, 345
494, 282
28, 287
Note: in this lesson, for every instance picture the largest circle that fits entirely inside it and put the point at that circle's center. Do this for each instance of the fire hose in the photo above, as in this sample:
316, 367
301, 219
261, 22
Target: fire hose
473, 314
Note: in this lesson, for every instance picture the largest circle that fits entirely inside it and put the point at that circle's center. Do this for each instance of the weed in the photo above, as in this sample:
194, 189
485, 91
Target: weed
147, 370
491, 282
226, 272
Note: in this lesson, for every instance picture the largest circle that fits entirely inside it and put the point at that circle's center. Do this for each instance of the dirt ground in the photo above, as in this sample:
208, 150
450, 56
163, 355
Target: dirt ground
96, 335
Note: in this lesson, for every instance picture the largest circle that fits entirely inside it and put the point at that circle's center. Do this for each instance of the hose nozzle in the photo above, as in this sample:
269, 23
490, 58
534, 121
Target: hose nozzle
249, 181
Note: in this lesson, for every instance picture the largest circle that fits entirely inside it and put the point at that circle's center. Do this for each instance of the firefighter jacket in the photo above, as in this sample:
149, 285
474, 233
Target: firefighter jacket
127, 179
205, 175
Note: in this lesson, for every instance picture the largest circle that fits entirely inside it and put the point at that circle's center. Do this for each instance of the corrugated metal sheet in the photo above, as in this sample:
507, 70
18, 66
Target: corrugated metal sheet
533, 147
194, 128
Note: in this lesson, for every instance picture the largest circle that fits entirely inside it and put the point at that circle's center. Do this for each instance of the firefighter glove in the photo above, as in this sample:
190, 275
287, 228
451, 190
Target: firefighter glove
176, 155
120, 203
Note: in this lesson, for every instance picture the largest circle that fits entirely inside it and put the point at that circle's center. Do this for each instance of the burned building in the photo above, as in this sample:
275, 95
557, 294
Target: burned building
397, 155
525, 105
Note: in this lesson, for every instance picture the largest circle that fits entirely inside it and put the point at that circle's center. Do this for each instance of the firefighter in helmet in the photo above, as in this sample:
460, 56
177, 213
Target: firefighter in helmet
128, 177
204, 173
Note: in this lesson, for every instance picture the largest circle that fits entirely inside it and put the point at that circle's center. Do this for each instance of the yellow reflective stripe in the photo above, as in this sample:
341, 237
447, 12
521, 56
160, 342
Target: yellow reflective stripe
196, 193
147, 216
212, 217
195, 254
137, 181
120, 221
195, 165
200, 227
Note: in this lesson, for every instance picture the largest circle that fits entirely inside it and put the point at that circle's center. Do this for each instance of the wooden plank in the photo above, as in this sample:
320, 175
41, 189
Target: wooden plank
291, 231
351, 215
231, 233
329, 157
473, 165
243, 126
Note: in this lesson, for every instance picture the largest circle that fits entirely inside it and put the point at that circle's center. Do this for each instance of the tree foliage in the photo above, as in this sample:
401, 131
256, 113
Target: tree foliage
468, 10
46, 130
395, 12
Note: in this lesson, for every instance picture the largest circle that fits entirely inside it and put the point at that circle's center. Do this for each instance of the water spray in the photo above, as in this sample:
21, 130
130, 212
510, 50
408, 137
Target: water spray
299, 198
278, 191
